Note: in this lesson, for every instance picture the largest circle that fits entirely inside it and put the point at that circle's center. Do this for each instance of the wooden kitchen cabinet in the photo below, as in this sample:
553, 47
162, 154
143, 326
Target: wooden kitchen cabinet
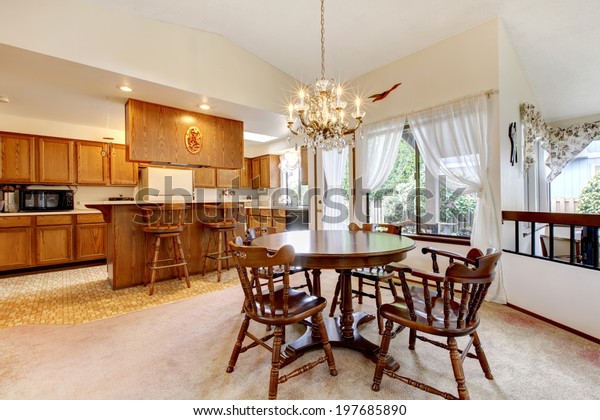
228, 178
246, 174
266, 218
15, 242
54, 239
205, 178
304, 165
122, 172
90, 237
56, 161
17, 158
265, 172
92, 163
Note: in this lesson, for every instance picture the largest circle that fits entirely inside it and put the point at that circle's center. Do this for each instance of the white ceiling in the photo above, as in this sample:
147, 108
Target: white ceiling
555, 40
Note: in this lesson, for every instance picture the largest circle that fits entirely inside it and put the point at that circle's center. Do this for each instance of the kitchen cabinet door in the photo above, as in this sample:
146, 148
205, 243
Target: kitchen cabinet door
15, 248
304, 165
255, 164
246, 174
17, 158
122, 172
270, 176
90, 241
92, 163
56, 161
54, 244
279, 223
228, 178
205, 178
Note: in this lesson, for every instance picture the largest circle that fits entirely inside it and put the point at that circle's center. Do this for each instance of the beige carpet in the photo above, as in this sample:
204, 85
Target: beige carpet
180, 351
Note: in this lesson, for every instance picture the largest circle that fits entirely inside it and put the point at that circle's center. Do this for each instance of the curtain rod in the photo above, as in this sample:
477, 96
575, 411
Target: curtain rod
487, 93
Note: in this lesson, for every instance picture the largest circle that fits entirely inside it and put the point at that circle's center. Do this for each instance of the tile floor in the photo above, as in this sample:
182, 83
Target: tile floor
80, 295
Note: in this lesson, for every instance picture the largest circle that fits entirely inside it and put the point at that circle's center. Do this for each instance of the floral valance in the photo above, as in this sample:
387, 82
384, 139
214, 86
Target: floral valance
562, 144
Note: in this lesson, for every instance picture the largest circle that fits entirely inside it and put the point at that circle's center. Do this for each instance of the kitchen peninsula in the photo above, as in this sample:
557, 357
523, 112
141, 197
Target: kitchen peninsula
126, 250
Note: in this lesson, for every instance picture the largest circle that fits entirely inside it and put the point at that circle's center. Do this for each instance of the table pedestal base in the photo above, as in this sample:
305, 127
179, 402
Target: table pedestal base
357, 342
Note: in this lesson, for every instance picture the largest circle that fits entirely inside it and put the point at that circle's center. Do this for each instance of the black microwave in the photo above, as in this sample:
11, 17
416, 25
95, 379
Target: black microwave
45, 200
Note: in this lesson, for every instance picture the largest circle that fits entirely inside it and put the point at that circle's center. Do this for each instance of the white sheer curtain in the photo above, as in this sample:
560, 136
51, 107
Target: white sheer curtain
378, 151
334, 167
454, 140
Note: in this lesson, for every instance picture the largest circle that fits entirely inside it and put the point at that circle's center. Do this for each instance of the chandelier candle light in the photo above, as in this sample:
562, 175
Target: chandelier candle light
320, 111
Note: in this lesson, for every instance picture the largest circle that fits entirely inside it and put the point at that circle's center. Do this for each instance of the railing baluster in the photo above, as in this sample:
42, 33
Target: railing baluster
517, 239
532, 238
572, 244
551, 250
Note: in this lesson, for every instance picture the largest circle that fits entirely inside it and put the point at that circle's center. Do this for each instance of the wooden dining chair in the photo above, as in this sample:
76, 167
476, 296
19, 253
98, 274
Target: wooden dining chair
277, 305
377, 277
253, 233
421, 309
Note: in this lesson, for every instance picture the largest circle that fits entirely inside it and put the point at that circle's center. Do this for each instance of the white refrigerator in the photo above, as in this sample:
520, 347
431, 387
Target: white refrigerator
158, 184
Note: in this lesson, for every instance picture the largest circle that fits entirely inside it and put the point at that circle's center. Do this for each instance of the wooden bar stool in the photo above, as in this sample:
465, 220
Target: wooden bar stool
163, 223
221, 232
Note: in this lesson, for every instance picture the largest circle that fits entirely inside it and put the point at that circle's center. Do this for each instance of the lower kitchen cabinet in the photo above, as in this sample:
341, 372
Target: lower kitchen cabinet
266, 218
54, 244
30, 241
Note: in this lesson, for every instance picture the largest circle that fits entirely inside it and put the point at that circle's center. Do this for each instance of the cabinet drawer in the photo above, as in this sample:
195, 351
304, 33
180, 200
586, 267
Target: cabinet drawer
15, 221
278, 213
90, 218
266, 213
255, 212
54, 220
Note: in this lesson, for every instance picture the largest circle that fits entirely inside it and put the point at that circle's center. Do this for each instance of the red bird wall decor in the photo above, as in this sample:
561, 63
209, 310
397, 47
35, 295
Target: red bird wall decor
379, 96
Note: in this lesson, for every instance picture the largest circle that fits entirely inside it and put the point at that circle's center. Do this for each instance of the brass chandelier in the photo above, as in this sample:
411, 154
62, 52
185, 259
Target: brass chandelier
319, 112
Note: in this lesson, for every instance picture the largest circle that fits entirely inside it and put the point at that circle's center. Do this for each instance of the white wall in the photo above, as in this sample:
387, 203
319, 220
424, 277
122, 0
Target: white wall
59, 129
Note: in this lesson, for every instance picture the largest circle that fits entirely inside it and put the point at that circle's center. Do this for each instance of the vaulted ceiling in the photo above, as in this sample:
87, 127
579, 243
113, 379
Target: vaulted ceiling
555, 41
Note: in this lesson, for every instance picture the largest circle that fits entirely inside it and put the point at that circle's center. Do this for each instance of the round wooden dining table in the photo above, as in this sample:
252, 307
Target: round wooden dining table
343, 251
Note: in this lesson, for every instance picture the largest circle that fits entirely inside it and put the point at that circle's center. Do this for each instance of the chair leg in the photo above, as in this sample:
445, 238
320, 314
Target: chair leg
308, 282
336, 295
226, 245
147, 271
360, 290
412, 339
275, 362
378, 305
154, 262
210, 239
481, 356
383, 350
238, 344
176, 256
318, 319
457, 367
219, 252
183, 260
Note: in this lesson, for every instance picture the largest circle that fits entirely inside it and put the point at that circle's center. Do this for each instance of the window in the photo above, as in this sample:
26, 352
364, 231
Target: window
434, 204
578, 181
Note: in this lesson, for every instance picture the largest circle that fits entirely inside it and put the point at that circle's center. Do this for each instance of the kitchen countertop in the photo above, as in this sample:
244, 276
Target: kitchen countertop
50, 213
291, 208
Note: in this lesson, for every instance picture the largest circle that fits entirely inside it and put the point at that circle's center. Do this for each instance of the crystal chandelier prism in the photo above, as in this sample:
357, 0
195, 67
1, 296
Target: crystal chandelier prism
319, 112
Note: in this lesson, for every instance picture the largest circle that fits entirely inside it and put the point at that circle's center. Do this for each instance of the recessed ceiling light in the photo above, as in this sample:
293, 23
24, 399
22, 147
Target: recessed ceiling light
4, 99
261, 138
205, 107
125, 88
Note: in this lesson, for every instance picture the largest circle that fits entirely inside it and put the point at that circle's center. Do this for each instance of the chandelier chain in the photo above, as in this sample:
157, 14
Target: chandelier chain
322, 39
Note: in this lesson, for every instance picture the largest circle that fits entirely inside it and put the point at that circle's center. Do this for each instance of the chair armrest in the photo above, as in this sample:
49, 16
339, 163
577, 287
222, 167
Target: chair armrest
428, 275
449, 254
398, 268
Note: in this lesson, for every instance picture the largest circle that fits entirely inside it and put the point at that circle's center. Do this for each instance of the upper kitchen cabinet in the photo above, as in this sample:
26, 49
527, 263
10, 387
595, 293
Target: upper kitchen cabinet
228, 178
265, 172
246, 174
56, 161
92, 163
205, 177
17, 158
304, 165
156, 133
122, 172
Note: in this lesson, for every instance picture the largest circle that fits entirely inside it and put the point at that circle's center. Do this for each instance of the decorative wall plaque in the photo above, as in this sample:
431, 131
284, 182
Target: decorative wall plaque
193, 140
